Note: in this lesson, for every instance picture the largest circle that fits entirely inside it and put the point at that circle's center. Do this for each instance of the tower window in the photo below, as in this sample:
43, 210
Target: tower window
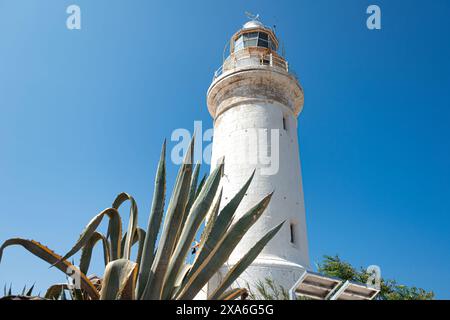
284, 124
292, 232
263, 40
263, 36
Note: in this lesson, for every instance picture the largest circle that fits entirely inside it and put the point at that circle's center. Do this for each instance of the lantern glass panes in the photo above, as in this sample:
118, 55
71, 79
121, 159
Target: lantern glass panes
239, 44
254, 39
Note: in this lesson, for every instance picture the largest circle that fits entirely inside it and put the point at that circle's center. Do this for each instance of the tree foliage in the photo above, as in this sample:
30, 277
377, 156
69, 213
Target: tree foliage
390, 289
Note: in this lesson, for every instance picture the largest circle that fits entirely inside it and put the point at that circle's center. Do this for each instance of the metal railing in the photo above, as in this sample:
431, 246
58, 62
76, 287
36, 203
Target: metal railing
243, 59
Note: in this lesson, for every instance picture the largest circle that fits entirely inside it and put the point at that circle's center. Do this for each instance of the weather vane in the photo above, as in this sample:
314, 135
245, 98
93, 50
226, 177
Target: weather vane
252, 16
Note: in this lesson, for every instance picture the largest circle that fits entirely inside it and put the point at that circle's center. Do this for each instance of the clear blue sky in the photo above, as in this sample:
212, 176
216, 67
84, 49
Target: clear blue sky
83, 115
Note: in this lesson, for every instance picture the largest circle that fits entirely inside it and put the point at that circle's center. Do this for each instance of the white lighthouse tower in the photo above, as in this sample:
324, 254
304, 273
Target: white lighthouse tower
255, 101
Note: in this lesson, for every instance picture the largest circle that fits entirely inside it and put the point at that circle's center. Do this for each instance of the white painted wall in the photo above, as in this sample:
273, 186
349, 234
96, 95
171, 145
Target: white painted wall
247, 113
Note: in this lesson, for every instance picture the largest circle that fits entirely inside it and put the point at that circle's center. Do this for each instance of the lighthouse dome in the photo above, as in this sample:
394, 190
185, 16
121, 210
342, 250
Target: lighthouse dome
253, 24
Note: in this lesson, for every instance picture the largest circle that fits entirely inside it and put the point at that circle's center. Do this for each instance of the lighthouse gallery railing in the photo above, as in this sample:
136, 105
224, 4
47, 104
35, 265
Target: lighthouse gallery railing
242, 59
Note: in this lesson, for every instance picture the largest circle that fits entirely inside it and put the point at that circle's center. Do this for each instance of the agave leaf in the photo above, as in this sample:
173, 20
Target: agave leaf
221, 225
154, 224
140, 235
182, 274
119, 280
189, 160
191, 198
176, 207
63, 295
88, 231
190, 228
211, 216
243, 263
54, 291
201, 184
114, 234
181, 278
233, 294
86, 252
7, 292
77, 294
49, 256
30, 291
222, 250
132, 223
226, 215
193, 188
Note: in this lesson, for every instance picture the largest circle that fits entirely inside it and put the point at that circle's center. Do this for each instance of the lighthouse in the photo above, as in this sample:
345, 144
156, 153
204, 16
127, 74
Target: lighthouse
255, 101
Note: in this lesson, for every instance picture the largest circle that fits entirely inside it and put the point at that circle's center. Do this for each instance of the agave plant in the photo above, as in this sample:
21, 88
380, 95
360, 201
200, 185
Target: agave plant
161, 269
26, 294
